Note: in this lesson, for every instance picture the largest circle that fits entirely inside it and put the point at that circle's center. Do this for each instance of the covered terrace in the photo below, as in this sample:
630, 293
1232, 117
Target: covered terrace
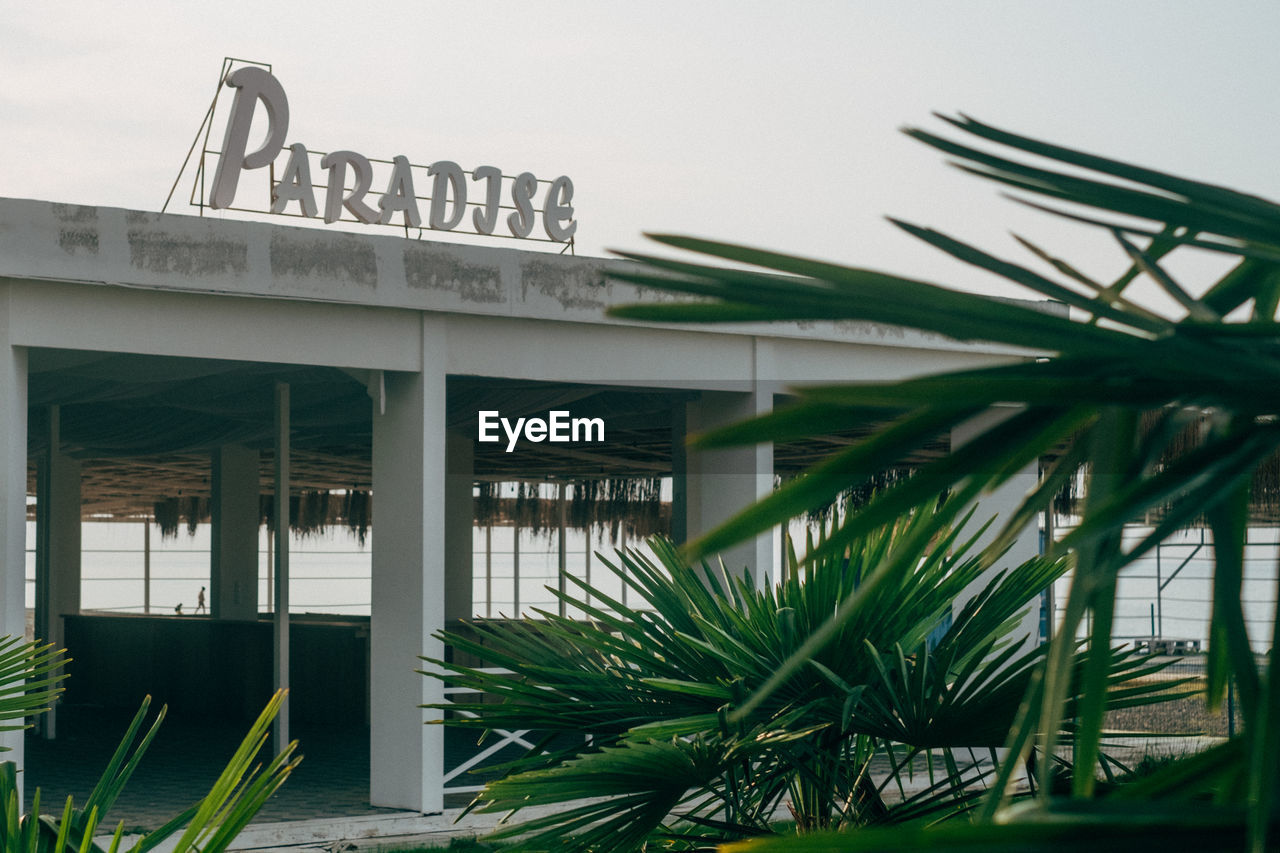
146, 359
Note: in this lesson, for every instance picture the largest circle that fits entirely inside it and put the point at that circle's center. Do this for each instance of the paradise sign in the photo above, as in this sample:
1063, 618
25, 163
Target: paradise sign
450, 184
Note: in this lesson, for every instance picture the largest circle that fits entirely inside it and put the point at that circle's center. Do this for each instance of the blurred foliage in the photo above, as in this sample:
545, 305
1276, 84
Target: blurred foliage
29, 674
1174, 411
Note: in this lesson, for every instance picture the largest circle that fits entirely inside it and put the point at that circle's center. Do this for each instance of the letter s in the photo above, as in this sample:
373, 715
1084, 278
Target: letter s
522, 190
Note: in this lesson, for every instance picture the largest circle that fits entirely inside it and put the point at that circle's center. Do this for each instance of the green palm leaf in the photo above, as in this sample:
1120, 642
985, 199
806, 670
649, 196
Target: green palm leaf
29, 677
1113, 363
688, 738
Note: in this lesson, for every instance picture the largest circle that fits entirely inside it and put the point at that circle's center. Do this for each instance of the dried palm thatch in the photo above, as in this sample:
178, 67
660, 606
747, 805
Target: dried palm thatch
167, 515
854, 497
630, 507
1190, 427
311, 512
357, 510
171, 513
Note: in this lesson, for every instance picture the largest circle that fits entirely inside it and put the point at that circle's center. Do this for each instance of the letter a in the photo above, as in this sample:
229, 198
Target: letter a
295, 183
399, 195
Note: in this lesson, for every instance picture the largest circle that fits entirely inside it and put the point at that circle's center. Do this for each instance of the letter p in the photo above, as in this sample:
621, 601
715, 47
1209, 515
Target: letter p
252, 84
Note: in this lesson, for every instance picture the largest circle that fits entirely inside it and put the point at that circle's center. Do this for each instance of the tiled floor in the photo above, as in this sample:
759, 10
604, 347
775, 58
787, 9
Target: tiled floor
185, 759
332, 781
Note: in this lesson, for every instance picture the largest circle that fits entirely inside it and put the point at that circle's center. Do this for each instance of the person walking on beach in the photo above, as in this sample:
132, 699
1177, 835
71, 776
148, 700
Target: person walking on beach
200, 601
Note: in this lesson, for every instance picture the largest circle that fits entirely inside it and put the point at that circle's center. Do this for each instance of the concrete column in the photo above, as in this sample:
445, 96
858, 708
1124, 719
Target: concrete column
13, 502
720, 483
233, 570
57, 546
1002, 503
459, 516
409, 486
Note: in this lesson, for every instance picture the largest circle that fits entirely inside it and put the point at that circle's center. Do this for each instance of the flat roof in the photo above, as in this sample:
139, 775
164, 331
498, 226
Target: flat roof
107, 246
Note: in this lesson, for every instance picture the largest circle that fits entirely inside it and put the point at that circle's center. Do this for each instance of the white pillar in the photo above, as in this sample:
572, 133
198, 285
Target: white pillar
57, 546
1002, 503
13, 503
459, 510
409, 485
720, 483
233, 557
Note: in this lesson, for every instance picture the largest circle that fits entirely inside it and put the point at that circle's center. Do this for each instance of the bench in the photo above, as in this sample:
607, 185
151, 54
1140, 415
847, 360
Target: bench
1167, 646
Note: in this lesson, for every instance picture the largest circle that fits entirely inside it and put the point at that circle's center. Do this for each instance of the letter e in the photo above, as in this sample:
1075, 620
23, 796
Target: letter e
487, 423
557, 208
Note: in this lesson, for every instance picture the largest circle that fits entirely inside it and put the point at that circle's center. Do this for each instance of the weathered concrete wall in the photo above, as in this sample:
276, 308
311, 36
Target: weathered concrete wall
110, 246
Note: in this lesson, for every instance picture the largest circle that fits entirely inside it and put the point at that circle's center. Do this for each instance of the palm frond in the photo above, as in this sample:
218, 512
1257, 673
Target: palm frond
1110, 364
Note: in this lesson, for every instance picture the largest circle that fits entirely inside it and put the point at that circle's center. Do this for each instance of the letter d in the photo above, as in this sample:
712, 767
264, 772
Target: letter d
252, 85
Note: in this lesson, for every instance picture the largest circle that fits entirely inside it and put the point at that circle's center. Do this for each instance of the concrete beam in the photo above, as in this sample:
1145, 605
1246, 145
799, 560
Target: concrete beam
114, 249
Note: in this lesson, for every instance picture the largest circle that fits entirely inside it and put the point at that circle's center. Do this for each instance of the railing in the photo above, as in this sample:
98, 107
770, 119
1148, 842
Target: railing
505, 739
462, 754
1167, 594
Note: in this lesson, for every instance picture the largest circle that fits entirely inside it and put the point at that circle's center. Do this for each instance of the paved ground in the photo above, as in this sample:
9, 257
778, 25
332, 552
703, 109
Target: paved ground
185, 759
331, 783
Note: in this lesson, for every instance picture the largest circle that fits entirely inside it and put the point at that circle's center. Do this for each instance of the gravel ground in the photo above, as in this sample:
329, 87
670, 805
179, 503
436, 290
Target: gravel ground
1190, 716
1185, 716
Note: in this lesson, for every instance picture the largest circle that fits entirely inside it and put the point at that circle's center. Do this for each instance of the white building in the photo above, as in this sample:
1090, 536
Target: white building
126, 335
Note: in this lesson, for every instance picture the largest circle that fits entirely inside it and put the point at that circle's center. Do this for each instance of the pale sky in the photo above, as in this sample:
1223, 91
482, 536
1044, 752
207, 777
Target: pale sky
774, 123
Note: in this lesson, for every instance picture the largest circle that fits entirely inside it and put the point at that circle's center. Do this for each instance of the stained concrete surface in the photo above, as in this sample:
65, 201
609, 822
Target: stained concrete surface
331, 782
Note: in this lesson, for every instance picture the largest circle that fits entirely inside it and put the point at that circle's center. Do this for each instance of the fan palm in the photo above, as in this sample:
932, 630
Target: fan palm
1171, 413
655, 687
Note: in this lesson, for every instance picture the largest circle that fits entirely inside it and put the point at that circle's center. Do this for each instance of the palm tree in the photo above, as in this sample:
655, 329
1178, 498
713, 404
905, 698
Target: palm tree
678, 753
1173, 413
